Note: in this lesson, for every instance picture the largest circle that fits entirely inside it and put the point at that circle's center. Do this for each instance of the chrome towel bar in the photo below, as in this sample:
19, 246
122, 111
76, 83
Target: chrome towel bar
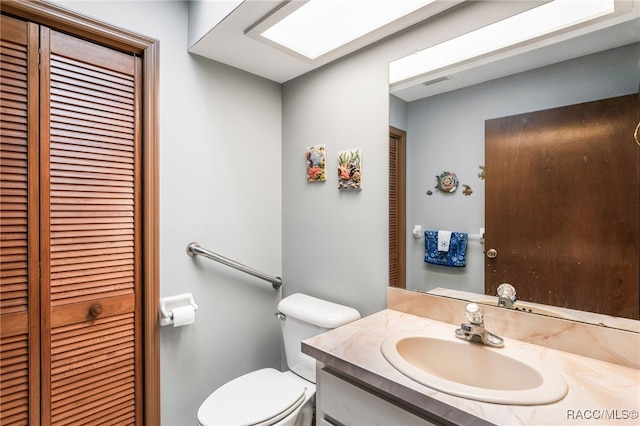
194, 249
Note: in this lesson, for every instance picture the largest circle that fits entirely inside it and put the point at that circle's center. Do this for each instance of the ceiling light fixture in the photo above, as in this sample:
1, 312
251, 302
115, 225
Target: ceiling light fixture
535, 23
314, 28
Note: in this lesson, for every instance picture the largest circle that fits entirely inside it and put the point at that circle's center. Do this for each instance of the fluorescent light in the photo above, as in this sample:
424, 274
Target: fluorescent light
320, 26
540, 21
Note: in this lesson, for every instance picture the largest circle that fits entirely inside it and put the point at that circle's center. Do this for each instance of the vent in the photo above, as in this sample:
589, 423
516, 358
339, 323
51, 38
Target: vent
437, 80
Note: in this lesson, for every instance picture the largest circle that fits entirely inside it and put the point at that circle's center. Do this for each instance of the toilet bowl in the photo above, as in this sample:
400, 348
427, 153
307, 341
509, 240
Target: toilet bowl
271, 397
260, 398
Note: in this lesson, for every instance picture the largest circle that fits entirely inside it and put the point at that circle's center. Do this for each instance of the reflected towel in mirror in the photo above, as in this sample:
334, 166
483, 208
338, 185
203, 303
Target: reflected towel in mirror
455, 256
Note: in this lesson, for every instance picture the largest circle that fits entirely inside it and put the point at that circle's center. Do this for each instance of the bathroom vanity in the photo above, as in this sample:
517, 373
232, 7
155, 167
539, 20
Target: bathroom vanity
356, 384
341, 401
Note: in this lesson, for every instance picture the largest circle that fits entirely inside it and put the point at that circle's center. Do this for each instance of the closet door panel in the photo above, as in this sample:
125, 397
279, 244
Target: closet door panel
93, 320
14, 167
91, 176
19, 352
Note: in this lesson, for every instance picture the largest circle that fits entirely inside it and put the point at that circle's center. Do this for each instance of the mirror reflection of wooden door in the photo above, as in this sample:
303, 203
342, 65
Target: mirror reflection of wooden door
562, 203
397, 207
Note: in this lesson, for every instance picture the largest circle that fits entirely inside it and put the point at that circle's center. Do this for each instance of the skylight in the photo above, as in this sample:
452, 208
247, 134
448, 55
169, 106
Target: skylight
534, 23
321, 26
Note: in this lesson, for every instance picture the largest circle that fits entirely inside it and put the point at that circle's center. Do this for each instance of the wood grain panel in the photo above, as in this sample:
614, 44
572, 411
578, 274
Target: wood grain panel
69, 314
14, 324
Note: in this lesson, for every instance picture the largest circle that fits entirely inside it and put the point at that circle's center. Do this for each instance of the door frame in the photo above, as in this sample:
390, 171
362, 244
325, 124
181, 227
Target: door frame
62, 19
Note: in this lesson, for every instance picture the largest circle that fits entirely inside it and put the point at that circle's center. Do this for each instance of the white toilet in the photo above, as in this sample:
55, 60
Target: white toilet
268, 396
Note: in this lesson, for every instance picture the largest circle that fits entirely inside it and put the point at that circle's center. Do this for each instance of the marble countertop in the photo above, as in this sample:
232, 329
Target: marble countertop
600, 393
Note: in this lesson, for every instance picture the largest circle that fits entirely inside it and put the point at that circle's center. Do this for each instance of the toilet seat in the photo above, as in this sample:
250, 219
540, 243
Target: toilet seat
259, 398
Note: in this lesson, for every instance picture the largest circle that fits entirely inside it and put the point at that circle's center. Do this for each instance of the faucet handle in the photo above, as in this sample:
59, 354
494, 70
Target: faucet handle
506, 295
507, 290
474, 313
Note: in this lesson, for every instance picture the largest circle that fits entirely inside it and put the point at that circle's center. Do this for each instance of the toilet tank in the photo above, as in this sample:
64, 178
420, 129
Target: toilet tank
305, 317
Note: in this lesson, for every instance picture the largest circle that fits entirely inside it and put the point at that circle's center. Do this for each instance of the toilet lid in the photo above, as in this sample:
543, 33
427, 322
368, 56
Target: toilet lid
252, 399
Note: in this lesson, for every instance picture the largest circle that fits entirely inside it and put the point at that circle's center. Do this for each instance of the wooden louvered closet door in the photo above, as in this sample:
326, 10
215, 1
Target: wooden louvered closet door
71, 260
90, 244
19, 314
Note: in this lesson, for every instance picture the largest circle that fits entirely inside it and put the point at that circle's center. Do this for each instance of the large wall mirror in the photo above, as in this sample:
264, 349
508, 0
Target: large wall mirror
445, 132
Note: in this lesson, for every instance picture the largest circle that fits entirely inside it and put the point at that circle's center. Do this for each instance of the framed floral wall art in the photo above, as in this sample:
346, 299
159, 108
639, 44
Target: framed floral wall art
316, 164
350, 169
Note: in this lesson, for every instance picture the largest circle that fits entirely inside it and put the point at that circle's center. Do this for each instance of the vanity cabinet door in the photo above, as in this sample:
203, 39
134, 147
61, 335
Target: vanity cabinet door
340, 403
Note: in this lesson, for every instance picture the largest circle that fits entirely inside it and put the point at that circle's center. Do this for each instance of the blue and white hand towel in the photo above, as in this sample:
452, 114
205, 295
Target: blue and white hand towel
448, 250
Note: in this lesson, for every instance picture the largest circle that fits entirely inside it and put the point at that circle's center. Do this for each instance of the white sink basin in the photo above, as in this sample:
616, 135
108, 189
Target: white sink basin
470, 370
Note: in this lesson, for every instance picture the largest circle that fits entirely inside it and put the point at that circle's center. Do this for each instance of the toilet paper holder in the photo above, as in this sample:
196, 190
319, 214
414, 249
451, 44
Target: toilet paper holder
167, 304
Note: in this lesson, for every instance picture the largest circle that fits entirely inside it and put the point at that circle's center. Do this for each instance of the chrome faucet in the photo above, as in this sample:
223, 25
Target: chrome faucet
474, 330
506, 295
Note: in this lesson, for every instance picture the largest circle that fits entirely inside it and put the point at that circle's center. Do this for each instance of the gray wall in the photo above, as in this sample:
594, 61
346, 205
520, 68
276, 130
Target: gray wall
220, 185
398, 113
446, 132
335, 243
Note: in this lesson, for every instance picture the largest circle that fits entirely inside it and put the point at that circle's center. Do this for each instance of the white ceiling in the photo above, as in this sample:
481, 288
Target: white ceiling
227, 43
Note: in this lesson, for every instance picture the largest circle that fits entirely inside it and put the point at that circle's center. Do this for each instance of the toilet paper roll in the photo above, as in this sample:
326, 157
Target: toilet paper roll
184, 315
